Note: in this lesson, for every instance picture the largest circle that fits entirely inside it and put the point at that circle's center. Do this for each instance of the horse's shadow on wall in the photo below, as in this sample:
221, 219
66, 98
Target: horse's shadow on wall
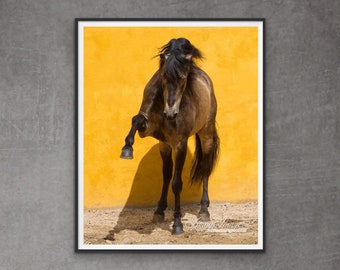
145, 191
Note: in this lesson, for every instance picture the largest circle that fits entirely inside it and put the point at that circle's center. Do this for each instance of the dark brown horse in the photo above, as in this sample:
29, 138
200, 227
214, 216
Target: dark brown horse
179, 102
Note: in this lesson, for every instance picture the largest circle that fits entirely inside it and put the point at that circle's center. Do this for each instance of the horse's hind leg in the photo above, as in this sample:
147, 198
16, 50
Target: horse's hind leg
210, 147
165, 151
204, 214
138, 123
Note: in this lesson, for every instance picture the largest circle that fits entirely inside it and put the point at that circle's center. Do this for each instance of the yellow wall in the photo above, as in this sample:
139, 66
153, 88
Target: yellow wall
117, 64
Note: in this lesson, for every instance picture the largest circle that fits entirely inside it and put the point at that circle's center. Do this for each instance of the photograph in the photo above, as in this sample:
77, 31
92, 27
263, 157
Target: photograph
170, 138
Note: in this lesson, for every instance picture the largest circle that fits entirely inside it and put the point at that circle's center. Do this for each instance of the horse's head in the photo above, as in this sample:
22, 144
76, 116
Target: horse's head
175, 65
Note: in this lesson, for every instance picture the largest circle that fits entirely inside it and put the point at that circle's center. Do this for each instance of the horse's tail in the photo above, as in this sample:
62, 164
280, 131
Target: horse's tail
203, 164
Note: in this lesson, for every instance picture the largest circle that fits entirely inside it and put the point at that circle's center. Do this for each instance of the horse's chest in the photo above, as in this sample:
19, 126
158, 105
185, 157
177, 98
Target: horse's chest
171, 132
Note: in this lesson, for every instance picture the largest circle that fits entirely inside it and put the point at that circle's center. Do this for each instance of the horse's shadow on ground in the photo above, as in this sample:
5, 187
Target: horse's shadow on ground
145, 191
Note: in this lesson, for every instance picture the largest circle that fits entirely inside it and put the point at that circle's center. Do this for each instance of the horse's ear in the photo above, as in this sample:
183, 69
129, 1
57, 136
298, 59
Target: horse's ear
195, 53
188, 56
164, 56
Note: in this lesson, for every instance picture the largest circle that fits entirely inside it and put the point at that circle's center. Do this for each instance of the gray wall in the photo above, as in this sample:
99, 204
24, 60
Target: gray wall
37, 139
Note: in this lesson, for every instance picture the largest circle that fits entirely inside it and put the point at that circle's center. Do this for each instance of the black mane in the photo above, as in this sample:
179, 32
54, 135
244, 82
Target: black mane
176, 57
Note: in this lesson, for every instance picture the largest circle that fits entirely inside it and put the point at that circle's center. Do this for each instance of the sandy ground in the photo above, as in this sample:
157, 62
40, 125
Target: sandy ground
229, 224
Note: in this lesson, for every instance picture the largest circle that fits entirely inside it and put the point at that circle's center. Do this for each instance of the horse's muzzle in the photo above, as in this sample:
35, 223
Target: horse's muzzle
170, 116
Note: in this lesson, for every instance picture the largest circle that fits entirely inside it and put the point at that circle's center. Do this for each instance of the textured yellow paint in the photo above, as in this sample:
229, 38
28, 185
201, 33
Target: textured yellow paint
118, 62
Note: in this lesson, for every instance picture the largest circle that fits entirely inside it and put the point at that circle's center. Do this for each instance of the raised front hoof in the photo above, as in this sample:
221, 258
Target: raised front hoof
177, 229
157, 218
127, 152
203, 217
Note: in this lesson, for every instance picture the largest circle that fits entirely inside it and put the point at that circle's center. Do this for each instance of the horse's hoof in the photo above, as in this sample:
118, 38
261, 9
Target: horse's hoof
157, 218
110, 236
203, 217
127, 153
177, 229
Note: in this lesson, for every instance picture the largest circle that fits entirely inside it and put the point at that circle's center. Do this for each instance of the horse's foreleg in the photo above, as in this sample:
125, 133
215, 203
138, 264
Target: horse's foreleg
138, 122
181, 151
165, 151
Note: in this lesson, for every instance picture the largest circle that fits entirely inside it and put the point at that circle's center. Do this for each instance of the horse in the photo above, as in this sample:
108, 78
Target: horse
179, 102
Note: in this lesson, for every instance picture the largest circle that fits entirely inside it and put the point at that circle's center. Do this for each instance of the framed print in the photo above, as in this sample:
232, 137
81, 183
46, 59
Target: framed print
170, 134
